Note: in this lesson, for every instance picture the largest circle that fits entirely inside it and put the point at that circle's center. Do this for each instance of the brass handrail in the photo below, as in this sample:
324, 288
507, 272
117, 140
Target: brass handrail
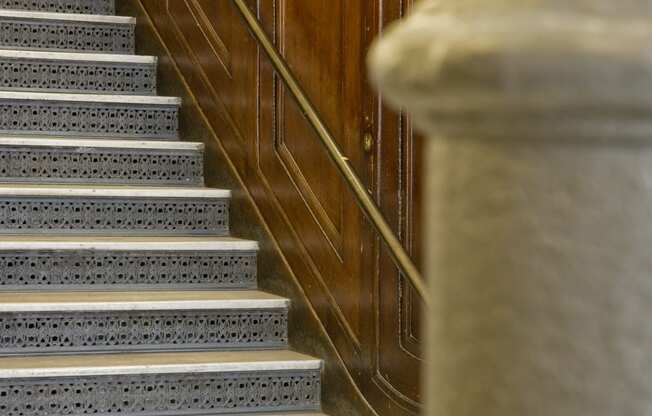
369, 207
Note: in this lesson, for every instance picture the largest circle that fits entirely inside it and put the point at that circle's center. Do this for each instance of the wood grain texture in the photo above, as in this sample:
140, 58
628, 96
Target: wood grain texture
364, 306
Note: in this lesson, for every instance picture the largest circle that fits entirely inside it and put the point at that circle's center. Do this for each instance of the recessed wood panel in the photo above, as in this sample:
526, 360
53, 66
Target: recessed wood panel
211, 30
398, 358
296, 166
315, 57
399, 337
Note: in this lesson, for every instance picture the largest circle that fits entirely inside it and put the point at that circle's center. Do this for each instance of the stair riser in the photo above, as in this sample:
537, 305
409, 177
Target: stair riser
89, 119
41, 34
162, 394
119, 166
105, 7
77, 77
113, 331
85, 215
115, 270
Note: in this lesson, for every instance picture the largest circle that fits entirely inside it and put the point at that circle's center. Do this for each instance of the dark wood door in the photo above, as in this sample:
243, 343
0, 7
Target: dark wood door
354, 287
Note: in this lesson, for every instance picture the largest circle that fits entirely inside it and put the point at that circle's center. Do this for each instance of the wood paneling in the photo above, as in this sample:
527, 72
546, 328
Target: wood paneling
398, 186
332, 234
364, 305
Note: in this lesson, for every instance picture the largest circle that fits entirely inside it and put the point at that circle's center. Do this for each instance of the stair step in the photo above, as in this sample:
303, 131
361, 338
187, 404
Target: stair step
77, 72
284, 414
38, 323
120, 290
101, 161
29, 209
90, 115
191, 383
106, 7
117, 263
21, 29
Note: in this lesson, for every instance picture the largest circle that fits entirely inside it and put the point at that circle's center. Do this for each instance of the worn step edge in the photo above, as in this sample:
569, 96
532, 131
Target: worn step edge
47, 136
156, 363
73, 191
77, 57
90, 98
99, 143
127, 243
67, 17
282, 414
139, 301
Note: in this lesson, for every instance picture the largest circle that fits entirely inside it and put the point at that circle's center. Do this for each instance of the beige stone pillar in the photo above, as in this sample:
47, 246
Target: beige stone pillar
539, 201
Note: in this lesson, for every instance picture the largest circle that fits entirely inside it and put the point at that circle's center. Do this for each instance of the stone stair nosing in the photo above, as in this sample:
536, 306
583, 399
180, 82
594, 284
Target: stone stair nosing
74, 72
124, 162
34, 30
284, 414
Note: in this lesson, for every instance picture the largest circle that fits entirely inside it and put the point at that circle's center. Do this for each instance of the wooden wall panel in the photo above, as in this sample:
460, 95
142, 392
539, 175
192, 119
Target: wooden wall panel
398, 354
333, 237
361, 300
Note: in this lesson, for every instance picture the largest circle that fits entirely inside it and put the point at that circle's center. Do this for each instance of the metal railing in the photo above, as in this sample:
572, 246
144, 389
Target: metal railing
366, 203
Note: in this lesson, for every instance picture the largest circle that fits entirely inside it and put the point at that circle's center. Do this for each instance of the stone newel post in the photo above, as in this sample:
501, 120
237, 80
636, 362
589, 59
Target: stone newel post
539, 201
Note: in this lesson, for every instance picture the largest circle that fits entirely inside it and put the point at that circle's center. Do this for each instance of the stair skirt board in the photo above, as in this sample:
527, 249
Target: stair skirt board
77, 72
89, 115
96, 161
66, 32
106, 7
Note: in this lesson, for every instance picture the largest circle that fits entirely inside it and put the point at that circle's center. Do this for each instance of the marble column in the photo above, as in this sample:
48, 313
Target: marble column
539, 201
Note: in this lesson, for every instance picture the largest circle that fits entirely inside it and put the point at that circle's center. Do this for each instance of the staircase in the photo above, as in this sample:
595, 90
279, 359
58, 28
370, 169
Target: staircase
121, 291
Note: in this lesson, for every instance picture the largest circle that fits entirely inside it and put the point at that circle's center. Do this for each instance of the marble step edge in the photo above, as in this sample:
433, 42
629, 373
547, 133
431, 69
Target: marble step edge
23, 55
67, 17
156, 363
124, 191
18, 302
90, 98
283, 414
104, 243
108, 143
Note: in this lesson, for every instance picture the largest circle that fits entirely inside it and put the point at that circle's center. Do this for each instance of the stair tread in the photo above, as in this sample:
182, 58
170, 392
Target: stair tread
119, 243
91, 98
78, 56
39, 141
283, 414
154, 363
78, 190
77, 137
139, 300
68, 17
